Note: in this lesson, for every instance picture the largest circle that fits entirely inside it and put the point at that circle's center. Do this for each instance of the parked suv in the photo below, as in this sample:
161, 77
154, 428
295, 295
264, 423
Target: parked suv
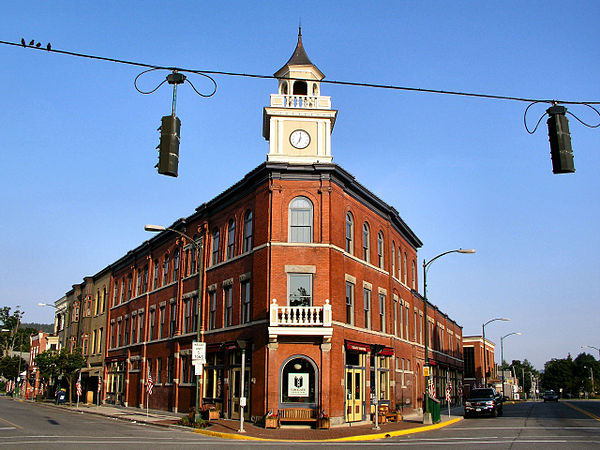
483, 401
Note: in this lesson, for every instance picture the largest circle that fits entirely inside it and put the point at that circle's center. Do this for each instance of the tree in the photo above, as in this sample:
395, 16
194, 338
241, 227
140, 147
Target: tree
47, 364
69, 365
9, 366
558, 374
10, 323
583, 366
524, 369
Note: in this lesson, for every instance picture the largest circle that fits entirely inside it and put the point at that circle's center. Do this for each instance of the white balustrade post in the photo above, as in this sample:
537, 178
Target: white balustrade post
327, 314
274, 313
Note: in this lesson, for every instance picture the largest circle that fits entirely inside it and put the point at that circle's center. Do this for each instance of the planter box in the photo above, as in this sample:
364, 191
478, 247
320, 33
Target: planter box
271, 422
323, 423
213, 414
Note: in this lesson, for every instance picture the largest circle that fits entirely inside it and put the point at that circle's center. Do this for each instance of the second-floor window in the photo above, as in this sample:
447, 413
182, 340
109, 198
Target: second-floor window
212, 315
228, 305
152, 324
367, 307
349, 303
173, 319
382, 312
349, 233
299, 289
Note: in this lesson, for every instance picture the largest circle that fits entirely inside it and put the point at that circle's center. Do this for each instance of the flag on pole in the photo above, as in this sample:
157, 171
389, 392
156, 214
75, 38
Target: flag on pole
99, 384
448, 391
149, 383
78, 385
431, 388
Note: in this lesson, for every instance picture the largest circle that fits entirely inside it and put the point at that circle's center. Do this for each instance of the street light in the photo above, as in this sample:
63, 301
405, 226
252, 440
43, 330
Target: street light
591, 346
484, 347
198, 248
426, 264
592, 374
502, 355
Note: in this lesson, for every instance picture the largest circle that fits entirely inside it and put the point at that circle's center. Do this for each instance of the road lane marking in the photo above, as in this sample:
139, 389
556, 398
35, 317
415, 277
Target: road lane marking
589, 414
11, 424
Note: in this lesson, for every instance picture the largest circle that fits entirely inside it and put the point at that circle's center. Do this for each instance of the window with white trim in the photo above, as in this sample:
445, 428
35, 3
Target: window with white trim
301, 220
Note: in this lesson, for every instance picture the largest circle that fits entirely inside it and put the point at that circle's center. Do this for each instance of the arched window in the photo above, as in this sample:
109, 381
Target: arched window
215, 246
380, 249
230, 239
248, 231
165, 270
349, 233
301, 220
299, 382
365, 242
405, 269
176, 265
393, 258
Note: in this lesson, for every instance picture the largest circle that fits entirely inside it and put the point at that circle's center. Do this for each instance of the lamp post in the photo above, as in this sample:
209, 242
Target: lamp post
591, 346
198, 248
502, 355
242, 345
426, 264
484, 348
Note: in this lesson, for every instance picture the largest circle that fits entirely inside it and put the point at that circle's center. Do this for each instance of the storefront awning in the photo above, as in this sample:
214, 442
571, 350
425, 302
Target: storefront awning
358, 347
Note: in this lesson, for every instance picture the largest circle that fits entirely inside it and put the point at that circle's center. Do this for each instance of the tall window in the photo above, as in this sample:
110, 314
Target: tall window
173, 319
115, 294
145, 279
126, 330
399, 263
138, 284
152, 324
393, 271
194, 267
405, 270
230, 239
212, 315
367, 307
215, 246
414, 275
134, 329
187, 305
195, 317
349, 233
245, 301
380, 249
141, 327
129, 286
248, 231
165, 273
103, 304
155, 275
396, 318
176, 265
122, 290
301, 220
299, 289
161, 321
99, 341
349, 303
382, 312
365, 242
159, 371
228, 304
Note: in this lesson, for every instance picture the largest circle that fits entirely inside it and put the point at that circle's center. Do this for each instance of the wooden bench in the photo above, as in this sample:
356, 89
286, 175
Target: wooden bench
386, 415
297, 415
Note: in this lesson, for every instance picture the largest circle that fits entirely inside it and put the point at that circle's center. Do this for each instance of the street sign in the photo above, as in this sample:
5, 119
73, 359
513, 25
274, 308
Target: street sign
198, 353
197, 369
426, 371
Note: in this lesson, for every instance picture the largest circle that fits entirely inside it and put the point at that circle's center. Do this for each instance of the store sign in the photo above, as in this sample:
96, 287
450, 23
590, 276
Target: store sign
297, 385
198, 353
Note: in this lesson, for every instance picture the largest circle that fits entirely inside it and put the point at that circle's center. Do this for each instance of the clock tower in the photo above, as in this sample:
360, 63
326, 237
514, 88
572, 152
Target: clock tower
299, 121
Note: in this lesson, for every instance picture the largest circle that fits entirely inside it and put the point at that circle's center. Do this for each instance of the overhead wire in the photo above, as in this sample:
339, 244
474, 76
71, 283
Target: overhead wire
334, 82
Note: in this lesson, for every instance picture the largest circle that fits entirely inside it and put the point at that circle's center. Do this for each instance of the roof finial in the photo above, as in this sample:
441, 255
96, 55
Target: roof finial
300, 27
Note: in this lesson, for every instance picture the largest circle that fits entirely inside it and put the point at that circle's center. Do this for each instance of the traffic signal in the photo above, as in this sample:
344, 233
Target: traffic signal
561, 151
168, 149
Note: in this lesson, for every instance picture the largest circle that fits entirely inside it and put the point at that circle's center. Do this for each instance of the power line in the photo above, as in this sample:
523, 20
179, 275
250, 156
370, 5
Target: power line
335, 82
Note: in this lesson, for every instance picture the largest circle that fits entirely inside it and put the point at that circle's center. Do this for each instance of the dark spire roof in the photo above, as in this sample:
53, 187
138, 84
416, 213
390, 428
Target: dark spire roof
299, 57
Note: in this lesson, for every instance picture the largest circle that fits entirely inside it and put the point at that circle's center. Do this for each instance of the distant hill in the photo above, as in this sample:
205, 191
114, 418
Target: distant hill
45, 327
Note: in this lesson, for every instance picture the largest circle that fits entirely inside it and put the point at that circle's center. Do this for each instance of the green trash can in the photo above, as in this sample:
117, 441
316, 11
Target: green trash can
434, 409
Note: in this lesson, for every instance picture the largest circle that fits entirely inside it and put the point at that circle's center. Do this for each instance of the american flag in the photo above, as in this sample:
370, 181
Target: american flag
432, 388
78, 385
149, 383
99, 384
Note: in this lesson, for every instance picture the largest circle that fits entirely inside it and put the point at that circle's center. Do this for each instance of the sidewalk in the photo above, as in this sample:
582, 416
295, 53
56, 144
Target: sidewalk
228, 429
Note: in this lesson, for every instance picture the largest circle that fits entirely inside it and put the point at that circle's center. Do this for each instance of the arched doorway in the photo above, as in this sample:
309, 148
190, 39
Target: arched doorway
298, 383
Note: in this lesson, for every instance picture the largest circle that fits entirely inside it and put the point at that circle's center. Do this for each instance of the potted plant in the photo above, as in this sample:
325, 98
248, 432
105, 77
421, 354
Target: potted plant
323, 422
271, 419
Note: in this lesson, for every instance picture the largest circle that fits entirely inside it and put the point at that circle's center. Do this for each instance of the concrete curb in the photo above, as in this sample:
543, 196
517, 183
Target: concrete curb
363, 437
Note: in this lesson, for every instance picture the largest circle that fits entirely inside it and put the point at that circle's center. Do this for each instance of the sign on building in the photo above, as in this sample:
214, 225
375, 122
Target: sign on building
297, 385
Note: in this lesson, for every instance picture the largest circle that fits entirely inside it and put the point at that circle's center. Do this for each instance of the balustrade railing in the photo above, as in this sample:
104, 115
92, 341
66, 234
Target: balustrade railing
300, 316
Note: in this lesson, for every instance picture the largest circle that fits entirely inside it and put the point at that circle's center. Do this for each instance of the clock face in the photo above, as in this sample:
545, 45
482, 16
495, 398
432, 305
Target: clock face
299, 139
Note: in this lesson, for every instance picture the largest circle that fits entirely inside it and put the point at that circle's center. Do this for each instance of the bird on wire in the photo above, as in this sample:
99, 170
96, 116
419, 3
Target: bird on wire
23, 42
32, 42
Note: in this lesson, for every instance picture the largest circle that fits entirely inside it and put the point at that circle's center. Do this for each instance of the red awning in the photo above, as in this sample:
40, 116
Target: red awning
386, 352
358, 347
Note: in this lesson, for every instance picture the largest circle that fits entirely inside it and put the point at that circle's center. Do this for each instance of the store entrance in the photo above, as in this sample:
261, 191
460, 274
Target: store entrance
355, 395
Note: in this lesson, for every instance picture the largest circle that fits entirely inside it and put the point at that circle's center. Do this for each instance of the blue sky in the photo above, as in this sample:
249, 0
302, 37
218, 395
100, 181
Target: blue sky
78, 147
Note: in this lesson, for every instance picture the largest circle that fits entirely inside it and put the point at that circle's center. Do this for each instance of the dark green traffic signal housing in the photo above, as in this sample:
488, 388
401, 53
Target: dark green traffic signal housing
561, 151
168, 149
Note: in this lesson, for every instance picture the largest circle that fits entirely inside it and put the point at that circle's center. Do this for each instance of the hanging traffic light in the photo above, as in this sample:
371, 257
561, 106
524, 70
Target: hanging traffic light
561, 151
168, 149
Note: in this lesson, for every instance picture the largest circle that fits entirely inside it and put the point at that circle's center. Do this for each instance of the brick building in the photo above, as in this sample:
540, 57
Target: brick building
303, 274
38, 343
474, 353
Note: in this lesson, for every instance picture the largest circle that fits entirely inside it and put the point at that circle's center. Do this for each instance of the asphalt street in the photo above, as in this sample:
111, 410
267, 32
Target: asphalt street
572, 424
